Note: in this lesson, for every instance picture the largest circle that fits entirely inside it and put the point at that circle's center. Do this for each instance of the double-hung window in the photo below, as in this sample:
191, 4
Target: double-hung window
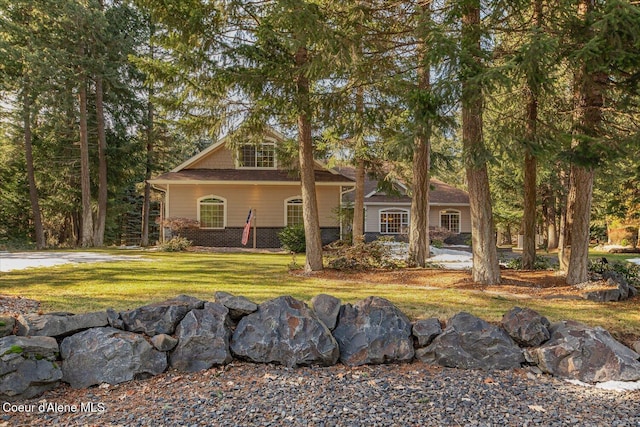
211, 212
293, 211
262, 156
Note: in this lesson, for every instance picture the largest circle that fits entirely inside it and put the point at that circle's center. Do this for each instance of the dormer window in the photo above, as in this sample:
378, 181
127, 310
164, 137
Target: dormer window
262, 156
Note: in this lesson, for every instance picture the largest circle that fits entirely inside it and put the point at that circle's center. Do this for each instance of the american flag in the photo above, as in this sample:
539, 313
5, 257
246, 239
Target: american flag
247, 228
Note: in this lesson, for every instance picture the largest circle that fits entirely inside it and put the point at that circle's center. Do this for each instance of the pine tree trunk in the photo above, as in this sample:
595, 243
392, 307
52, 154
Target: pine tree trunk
531, 163
588, 102
358, 203
564, 239
146, 203
486, 269
31, 177
419, 226
581, 195
101, 217
419, 218
307, 175
85, 181
529, 217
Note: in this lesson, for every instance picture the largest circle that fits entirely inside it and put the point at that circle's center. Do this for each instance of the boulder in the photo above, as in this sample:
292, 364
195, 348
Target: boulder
164, 342
7, 323
327, 308
238, 306
114, 319
471, 343
108, 355
28, 366
526, 327
425, 330
286, 331
203, 339
59, 324
580, 352
161, 317
373, 331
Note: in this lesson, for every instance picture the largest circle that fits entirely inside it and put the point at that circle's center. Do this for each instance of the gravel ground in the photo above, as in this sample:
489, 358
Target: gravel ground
243, 394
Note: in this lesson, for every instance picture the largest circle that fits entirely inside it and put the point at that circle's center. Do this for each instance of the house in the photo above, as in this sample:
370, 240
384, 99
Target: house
218, 186
388, 214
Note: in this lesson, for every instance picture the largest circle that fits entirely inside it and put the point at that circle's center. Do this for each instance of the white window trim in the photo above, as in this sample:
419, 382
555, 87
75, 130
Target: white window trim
392, 210
275, 157
451, 211
286, 204
224, 210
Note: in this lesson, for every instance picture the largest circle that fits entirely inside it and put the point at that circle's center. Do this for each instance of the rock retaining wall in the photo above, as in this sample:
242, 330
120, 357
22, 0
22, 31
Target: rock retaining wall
188, 334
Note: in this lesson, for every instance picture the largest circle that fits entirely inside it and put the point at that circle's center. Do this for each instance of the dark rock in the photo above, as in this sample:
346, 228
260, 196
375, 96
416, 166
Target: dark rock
238, 306
636, 346
27, 366
526, 327
59, 324
373, 331
587, 354
471, 343
114, 319
327, 308
616, 279
161, 317
164, 342
7, 323
108, 355
286, 331
425, 330
203, 339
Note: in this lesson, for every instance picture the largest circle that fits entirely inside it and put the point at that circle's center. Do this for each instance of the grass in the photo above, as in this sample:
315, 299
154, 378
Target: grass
128, 284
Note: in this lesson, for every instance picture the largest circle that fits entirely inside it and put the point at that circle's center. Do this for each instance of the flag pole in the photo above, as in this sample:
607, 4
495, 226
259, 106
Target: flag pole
255, 219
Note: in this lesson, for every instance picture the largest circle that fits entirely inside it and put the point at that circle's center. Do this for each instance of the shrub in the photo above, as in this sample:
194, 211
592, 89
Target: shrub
292, 238
631, 272
176, 244
540, 263
439, 234
364, 256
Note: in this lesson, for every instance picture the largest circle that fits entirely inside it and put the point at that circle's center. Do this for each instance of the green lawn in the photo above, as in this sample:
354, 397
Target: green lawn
125, 285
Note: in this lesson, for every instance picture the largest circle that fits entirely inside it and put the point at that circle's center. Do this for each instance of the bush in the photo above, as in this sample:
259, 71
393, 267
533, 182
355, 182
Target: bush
439, 234
541, 263
364, 256
292, 239
176, 244
630, 271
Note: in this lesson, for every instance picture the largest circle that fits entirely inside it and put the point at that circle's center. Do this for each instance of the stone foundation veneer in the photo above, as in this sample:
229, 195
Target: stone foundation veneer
266, 237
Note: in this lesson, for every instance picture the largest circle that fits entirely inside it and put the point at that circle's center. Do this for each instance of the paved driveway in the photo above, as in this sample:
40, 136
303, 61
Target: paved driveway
21, 260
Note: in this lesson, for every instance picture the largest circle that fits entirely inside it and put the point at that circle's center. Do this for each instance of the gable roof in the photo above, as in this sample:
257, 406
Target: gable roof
270, 133
440, 193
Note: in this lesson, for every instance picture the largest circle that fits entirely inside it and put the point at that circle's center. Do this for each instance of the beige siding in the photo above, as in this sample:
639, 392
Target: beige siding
268, 200
219, 159
372, 216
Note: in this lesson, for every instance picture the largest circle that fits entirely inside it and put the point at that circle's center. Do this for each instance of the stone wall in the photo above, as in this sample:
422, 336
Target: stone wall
37, 352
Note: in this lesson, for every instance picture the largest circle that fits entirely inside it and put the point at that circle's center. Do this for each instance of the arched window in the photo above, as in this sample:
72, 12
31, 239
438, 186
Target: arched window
394, 221
293, 211
212, 212
450, 220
